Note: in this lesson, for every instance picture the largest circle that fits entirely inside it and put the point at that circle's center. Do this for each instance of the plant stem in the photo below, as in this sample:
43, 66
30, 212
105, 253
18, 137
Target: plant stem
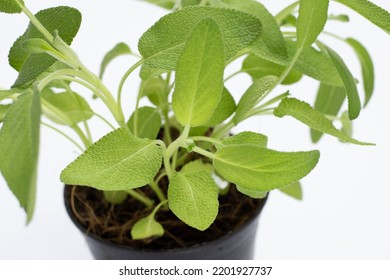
173, 147
141, 197
161, 196
233, 75
82, 136
206, 139
104, 120
38, 25
286, 12
203, 152
63, 134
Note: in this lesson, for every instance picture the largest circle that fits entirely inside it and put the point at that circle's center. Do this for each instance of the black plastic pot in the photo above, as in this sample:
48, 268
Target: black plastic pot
236, 245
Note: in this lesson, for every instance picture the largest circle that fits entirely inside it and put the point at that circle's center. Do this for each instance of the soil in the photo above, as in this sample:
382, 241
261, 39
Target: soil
114, 222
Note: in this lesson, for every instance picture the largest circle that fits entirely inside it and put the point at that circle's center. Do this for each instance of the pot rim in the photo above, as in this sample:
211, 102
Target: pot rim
99, 239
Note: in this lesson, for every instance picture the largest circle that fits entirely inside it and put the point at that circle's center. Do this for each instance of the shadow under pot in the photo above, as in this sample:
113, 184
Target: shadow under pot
107, 228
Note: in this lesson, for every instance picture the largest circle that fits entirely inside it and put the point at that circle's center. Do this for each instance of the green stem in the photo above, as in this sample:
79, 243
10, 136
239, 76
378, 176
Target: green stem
203, 152
173, 147
82, 136
222, 130
206, 139
286, 12
63, 134
159, 206
104, 120
233, 75
161, 196
141, 197
37, 23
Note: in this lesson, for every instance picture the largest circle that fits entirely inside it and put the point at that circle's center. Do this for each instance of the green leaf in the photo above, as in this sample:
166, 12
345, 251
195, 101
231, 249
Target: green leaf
119, 50
11, 6
30, 65
155, 88
225, 108
3, 111
270, 44
252, 193
166, 4
341, 17
246, 137
19, 149
367, 68
118, 161
304, 113
193, 198
253, 167
199, 76
147, 227
71, 105
4, 94
354, 105
148, 123
163, 43
312, 17
148, 72
370, 11
315, 64
115, 197
294, 190
329, 101
252, 96
196, 166
258, 67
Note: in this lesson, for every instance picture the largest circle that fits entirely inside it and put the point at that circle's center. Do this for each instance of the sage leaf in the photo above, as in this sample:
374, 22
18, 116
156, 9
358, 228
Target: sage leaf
155, 88
294, 190
252, 96
377, 15
257, 168
304, 113
341, 17
252, 193
163, 43
270, 44
65, 20
115, 197
11, 6
146, 228
148, 123
367, 66
118, 161
312, 17
225, 108
196, 166
199, 76
258, 67
118, 50
193, 198
346, 123
246, 137
354, 105
166, 4
329, 102
4, 94
19, 149
3, 111
71, 105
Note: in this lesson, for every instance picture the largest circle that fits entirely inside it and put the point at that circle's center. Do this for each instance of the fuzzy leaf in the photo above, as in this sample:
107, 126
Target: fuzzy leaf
193, 198
115, 197
148, 123
147, 227
252, 193
64, 19
196, 166
270, 44
329, 102
367, 68
163, 43
294, 190
225, 108
3, 111
252, 96
370, 11
258, 67
253, 167
246, 137
312, 17
304, 113
72, 105
155, 88
199, 76
119, 50
118, 161
11, 6
19, 149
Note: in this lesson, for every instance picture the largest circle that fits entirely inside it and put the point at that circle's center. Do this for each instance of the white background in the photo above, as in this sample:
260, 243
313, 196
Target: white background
345, 212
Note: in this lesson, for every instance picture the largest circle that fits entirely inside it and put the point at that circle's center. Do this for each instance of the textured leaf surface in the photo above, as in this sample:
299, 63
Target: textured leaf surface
196, 166
367, 68
256, 168
118, 161
252, 96
64, 19
303, 112
370, 11
193, 198
119, 50
246, 137
258, 67
199, 76
163, 43
270, 44
19, 149
148, 122
294, 190
313, 15
225, 108
252, 193
329, 102
11, 6
147, 227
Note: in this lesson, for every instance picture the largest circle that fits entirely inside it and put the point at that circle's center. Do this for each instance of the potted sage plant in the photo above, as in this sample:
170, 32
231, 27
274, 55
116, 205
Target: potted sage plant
171, 180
